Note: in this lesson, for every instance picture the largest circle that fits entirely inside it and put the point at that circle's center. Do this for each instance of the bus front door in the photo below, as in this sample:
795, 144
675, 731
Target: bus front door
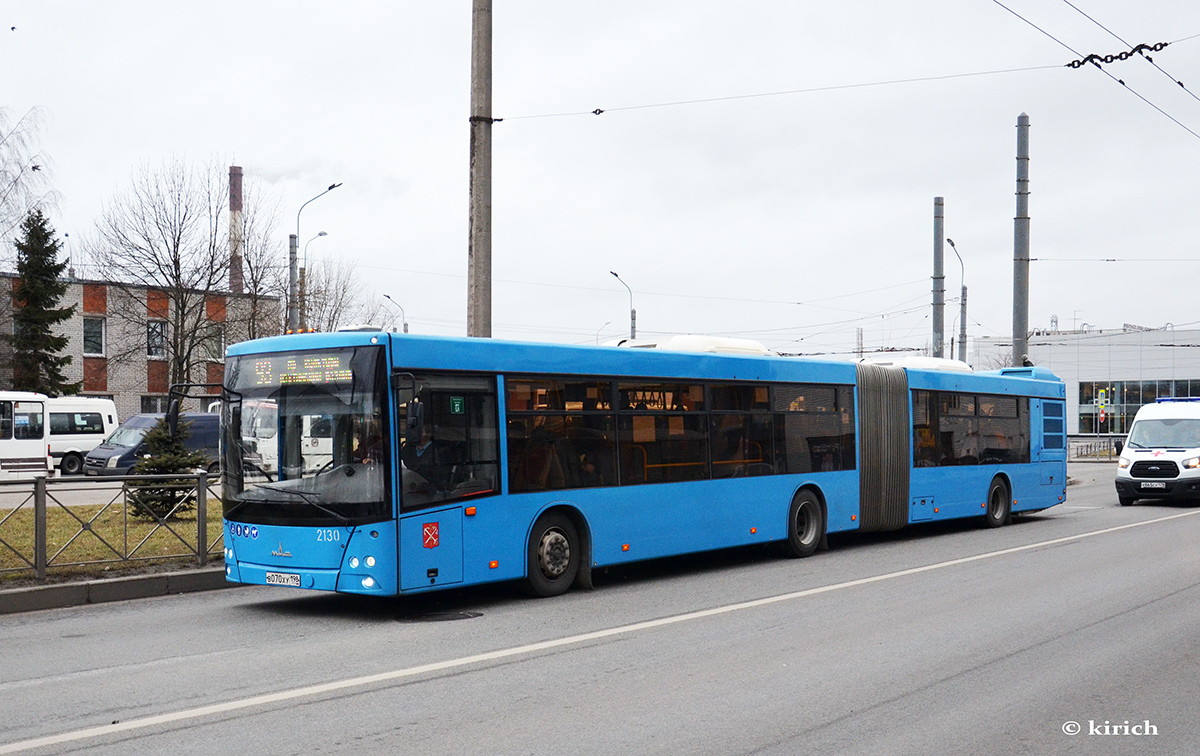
431, 551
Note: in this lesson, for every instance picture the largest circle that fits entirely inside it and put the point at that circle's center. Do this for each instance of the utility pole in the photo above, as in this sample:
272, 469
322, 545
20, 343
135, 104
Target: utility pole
293, 312
939, 280
479, 243
962, 313
1020, 328
962, 326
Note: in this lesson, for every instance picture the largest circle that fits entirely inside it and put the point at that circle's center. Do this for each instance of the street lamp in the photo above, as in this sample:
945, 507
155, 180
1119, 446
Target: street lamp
303, 284
403, 321
632, 312
962, 312
601, 328
293, 244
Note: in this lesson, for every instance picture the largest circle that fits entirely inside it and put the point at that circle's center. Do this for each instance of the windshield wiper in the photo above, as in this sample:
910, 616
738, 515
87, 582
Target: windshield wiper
305, 497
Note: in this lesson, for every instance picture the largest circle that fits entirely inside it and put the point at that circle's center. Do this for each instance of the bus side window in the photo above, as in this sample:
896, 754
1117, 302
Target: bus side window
458, 452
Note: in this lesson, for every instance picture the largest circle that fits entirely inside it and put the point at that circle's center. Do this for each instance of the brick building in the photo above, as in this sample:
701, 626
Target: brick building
118, 339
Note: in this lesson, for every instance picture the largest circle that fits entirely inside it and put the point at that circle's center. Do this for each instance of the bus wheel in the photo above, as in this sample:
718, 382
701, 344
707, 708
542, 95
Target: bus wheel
806, 525
72, 464
999, 505
553, 556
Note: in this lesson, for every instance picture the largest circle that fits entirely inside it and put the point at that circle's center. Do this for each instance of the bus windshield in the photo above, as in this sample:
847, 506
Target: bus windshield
1175, 433
305, 439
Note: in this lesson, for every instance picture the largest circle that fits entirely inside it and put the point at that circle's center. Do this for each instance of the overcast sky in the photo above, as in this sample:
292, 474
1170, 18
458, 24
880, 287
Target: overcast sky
793, 219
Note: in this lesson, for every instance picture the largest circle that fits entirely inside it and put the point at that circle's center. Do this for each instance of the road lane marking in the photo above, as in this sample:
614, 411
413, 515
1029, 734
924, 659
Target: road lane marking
530, 648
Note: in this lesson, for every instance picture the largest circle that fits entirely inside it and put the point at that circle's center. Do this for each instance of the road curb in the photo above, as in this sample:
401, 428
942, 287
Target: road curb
111, 589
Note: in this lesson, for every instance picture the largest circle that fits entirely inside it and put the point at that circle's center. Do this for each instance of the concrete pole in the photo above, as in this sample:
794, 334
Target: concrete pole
1020, 328
293, 316
939, 280
303, 302
962, 327
236, 240
479, 243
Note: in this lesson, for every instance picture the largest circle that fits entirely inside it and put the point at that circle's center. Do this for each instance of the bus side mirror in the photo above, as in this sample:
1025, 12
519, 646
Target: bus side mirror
414, 429
173, 417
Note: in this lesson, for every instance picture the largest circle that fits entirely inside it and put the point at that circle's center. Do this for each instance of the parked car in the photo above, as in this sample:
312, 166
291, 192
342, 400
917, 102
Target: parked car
78, 424
126, 445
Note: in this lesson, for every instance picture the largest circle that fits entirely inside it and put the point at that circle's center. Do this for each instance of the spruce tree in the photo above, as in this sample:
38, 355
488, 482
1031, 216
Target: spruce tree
165, 455
38, 361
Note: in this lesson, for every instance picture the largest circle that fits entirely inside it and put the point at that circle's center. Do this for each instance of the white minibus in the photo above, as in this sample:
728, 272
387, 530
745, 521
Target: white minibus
78, 424
23, 435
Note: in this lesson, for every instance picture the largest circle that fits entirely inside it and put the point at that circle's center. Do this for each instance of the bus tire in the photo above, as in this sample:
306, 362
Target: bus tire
71, 464
1126, 501
806, 525
552, 556
999, 505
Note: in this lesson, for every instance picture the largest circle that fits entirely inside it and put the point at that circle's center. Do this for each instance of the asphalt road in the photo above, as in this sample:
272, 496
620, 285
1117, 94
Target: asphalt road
946, 639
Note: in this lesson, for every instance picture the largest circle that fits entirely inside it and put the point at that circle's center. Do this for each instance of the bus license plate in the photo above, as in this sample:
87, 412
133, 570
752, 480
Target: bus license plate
1154, 484
283, 578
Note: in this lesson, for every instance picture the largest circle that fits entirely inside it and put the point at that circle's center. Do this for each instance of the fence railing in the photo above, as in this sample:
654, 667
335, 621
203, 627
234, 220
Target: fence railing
1094, 449
49, 523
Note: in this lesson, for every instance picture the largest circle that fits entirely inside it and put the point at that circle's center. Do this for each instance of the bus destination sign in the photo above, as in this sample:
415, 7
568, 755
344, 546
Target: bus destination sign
315, 368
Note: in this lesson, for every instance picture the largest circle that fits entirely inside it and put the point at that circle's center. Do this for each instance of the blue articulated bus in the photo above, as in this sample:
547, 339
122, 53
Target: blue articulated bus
404, 463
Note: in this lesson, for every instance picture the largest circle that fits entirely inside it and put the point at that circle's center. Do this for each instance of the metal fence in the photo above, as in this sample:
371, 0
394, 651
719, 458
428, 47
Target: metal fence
1096, 448
48, 523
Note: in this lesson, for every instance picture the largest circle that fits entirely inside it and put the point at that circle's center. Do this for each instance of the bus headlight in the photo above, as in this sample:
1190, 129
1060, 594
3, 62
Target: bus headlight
368, 582
1122, 463
354, 563
370, 561
1192, 463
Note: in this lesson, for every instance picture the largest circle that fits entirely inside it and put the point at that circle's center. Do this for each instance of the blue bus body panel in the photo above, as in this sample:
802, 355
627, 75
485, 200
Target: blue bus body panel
485, 539
318, 556
962, 491
411, 352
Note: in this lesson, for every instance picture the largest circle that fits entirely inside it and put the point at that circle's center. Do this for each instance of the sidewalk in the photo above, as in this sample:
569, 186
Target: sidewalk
97, 591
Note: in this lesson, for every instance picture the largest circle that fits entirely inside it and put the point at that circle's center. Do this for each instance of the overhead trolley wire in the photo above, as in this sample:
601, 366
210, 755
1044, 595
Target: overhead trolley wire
1100, 68
810, 90
1139, 49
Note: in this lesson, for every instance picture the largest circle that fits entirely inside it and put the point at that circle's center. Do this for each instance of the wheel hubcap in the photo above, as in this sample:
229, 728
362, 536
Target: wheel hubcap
806, 524
554, 553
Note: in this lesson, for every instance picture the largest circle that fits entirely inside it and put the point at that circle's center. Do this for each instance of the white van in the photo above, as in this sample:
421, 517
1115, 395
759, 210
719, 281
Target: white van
1161, 456
260, 443
78, 424
23, 451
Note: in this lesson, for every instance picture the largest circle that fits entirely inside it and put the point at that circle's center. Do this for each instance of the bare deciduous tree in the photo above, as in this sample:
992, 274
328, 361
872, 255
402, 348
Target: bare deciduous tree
262, 262
166, 233
336, 297
24, 174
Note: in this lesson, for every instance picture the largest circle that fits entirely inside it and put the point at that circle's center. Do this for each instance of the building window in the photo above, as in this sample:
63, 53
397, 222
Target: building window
156, 338
214, 342
154, 403
93, 337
